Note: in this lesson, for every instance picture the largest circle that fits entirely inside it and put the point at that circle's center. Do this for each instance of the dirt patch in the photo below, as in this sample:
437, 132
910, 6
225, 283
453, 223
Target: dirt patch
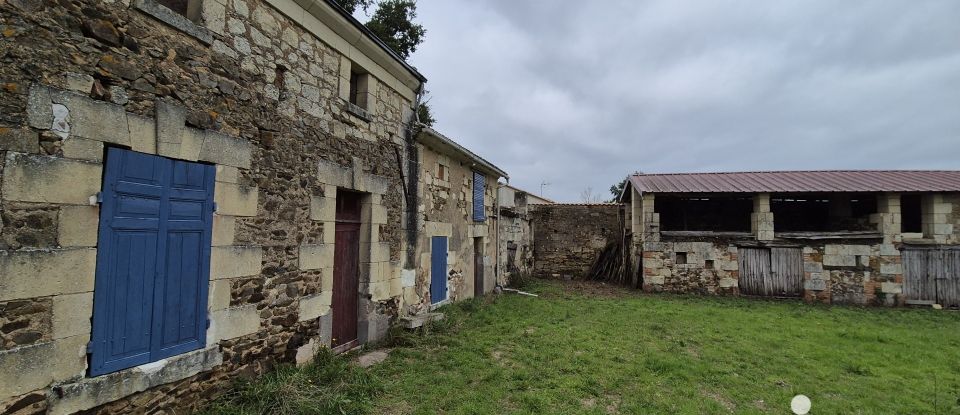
597, 289
722, 400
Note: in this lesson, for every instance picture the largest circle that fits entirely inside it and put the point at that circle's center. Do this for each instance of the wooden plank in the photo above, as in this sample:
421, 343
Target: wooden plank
787, 275
755, 271
948, 283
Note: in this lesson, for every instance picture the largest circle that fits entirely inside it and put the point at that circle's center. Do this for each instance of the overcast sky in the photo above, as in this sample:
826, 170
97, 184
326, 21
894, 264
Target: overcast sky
581, 93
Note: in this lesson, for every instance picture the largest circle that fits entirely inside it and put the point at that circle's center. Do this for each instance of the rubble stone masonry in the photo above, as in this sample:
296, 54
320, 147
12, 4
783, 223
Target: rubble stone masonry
240, 85
568, 237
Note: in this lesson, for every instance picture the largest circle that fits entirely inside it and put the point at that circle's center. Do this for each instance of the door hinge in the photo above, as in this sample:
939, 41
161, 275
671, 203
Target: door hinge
214, 207
99, 197
89, 347
208, 322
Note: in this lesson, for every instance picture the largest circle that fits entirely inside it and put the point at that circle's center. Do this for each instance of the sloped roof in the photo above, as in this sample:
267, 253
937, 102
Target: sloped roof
800, 181
438, 141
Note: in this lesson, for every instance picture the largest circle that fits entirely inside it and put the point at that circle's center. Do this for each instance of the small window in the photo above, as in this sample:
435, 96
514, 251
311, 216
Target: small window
681, 258
911, 212
359, 88
708, 264
442, 172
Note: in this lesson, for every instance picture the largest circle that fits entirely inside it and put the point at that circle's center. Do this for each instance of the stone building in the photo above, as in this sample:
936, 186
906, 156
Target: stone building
193, 191
515, 232
457, 223
567, 238
855, 237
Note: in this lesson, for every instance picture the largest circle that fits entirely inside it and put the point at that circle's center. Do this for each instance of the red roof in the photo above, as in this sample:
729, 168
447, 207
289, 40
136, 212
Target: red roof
799, 181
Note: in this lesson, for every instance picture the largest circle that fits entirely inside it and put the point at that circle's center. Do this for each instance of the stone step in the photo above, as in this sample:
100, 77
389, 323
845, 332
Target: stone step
418, 320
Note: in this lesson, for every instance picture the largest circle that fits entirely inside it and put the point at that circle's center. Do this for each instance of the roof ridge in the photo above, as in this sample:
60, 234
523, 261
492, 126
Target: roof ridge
795, 171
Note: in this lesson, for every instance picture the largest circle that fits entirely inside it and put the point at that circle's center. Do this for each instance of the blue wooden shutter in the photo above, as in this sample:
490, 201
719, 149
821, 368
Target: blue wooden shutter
438, 269
150, 294
478, 186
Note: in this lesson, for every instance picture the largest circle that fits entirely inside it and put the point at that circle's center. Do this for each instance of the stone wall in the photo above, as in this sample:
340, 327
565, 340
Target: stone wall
568, 237
837, 268
446, 209
242, 87
515, 232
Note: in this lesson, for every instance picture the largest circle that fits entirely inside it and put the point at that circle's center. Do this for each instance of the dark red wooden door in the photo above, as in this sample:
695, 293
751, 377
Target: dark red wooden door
478, 267
346, 263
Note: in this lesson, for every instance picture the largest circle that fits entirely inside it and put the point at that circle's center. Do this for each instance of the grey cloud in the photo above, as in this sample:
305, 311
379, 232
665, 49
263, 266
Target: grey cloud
582, 93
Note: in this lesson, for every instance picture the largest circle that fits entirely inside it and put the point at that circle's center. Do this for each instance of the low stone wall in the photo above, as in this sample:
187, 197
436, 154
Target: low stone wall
861, 272
568, 237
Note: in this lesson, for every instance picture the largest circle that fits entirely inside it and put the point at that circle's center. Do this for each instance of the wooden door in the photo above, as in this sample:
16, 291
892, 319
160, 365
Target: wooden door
754, 271
776, 272
478, 287
786, 272
346, 275
931, 276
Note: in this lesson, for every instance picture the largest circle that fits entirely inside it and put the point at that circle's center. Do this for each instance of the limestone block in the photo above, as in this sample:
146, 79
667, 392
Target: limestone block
326, 279
410, 296
812, 267
379, 251
889, 250
83, 149
438, 229
78, 226
143, 134
307, 352
228, 174
31, 178
232, 323
730, 266
377, 185
891, 288
379, 291
213, 14
224, 230
89, 393
39, 108
22, 140
191, 143
330, 233
29, 274
78, 82
815, 285
943, 229
171, 121
37, 366
654, 279
839, 261
408, 278
316, 256
315, 306
323, 208
728, 283
219, 295
96, 120
331, 173
891, 269
235, 261
236, 200
71, 315
375, 214
396, 287
222, 149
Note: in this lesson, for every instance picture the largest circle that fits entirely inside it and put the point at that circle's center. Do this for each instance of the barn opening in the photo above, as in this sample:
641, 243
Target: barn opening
706, 213
823, 212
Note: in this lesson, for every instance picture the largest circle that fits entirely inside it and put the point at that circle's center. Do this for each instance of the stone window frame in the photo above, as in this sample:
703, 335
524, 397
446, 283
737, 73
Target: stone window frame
356, 89
188, 24
71, 183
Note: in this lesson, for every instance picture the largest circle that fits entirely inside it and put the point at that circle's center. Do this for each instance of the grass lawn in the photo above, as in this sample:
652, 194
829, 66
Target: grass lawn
583, 348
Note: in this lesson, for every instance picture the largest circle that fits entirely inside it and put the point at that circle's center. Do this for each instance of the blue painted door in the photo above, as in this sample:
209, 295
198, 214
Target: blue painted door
438, 269
153, 260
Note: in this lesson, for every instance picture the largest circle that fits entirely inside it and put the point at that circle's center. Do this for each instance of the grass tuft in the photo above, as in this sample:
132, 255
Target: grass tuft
328, 385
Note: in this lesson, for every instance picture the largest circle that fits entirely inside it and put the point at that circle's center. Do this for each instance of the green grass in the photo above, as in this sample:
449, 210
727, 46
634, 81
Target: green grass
580, 348
621, 352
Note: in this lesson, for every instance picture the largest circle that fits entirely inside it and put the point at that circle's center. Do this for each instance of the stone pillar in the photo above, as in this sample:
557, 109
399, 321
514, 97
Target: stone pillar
650, 226
936, 214
887, 218
762, 218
